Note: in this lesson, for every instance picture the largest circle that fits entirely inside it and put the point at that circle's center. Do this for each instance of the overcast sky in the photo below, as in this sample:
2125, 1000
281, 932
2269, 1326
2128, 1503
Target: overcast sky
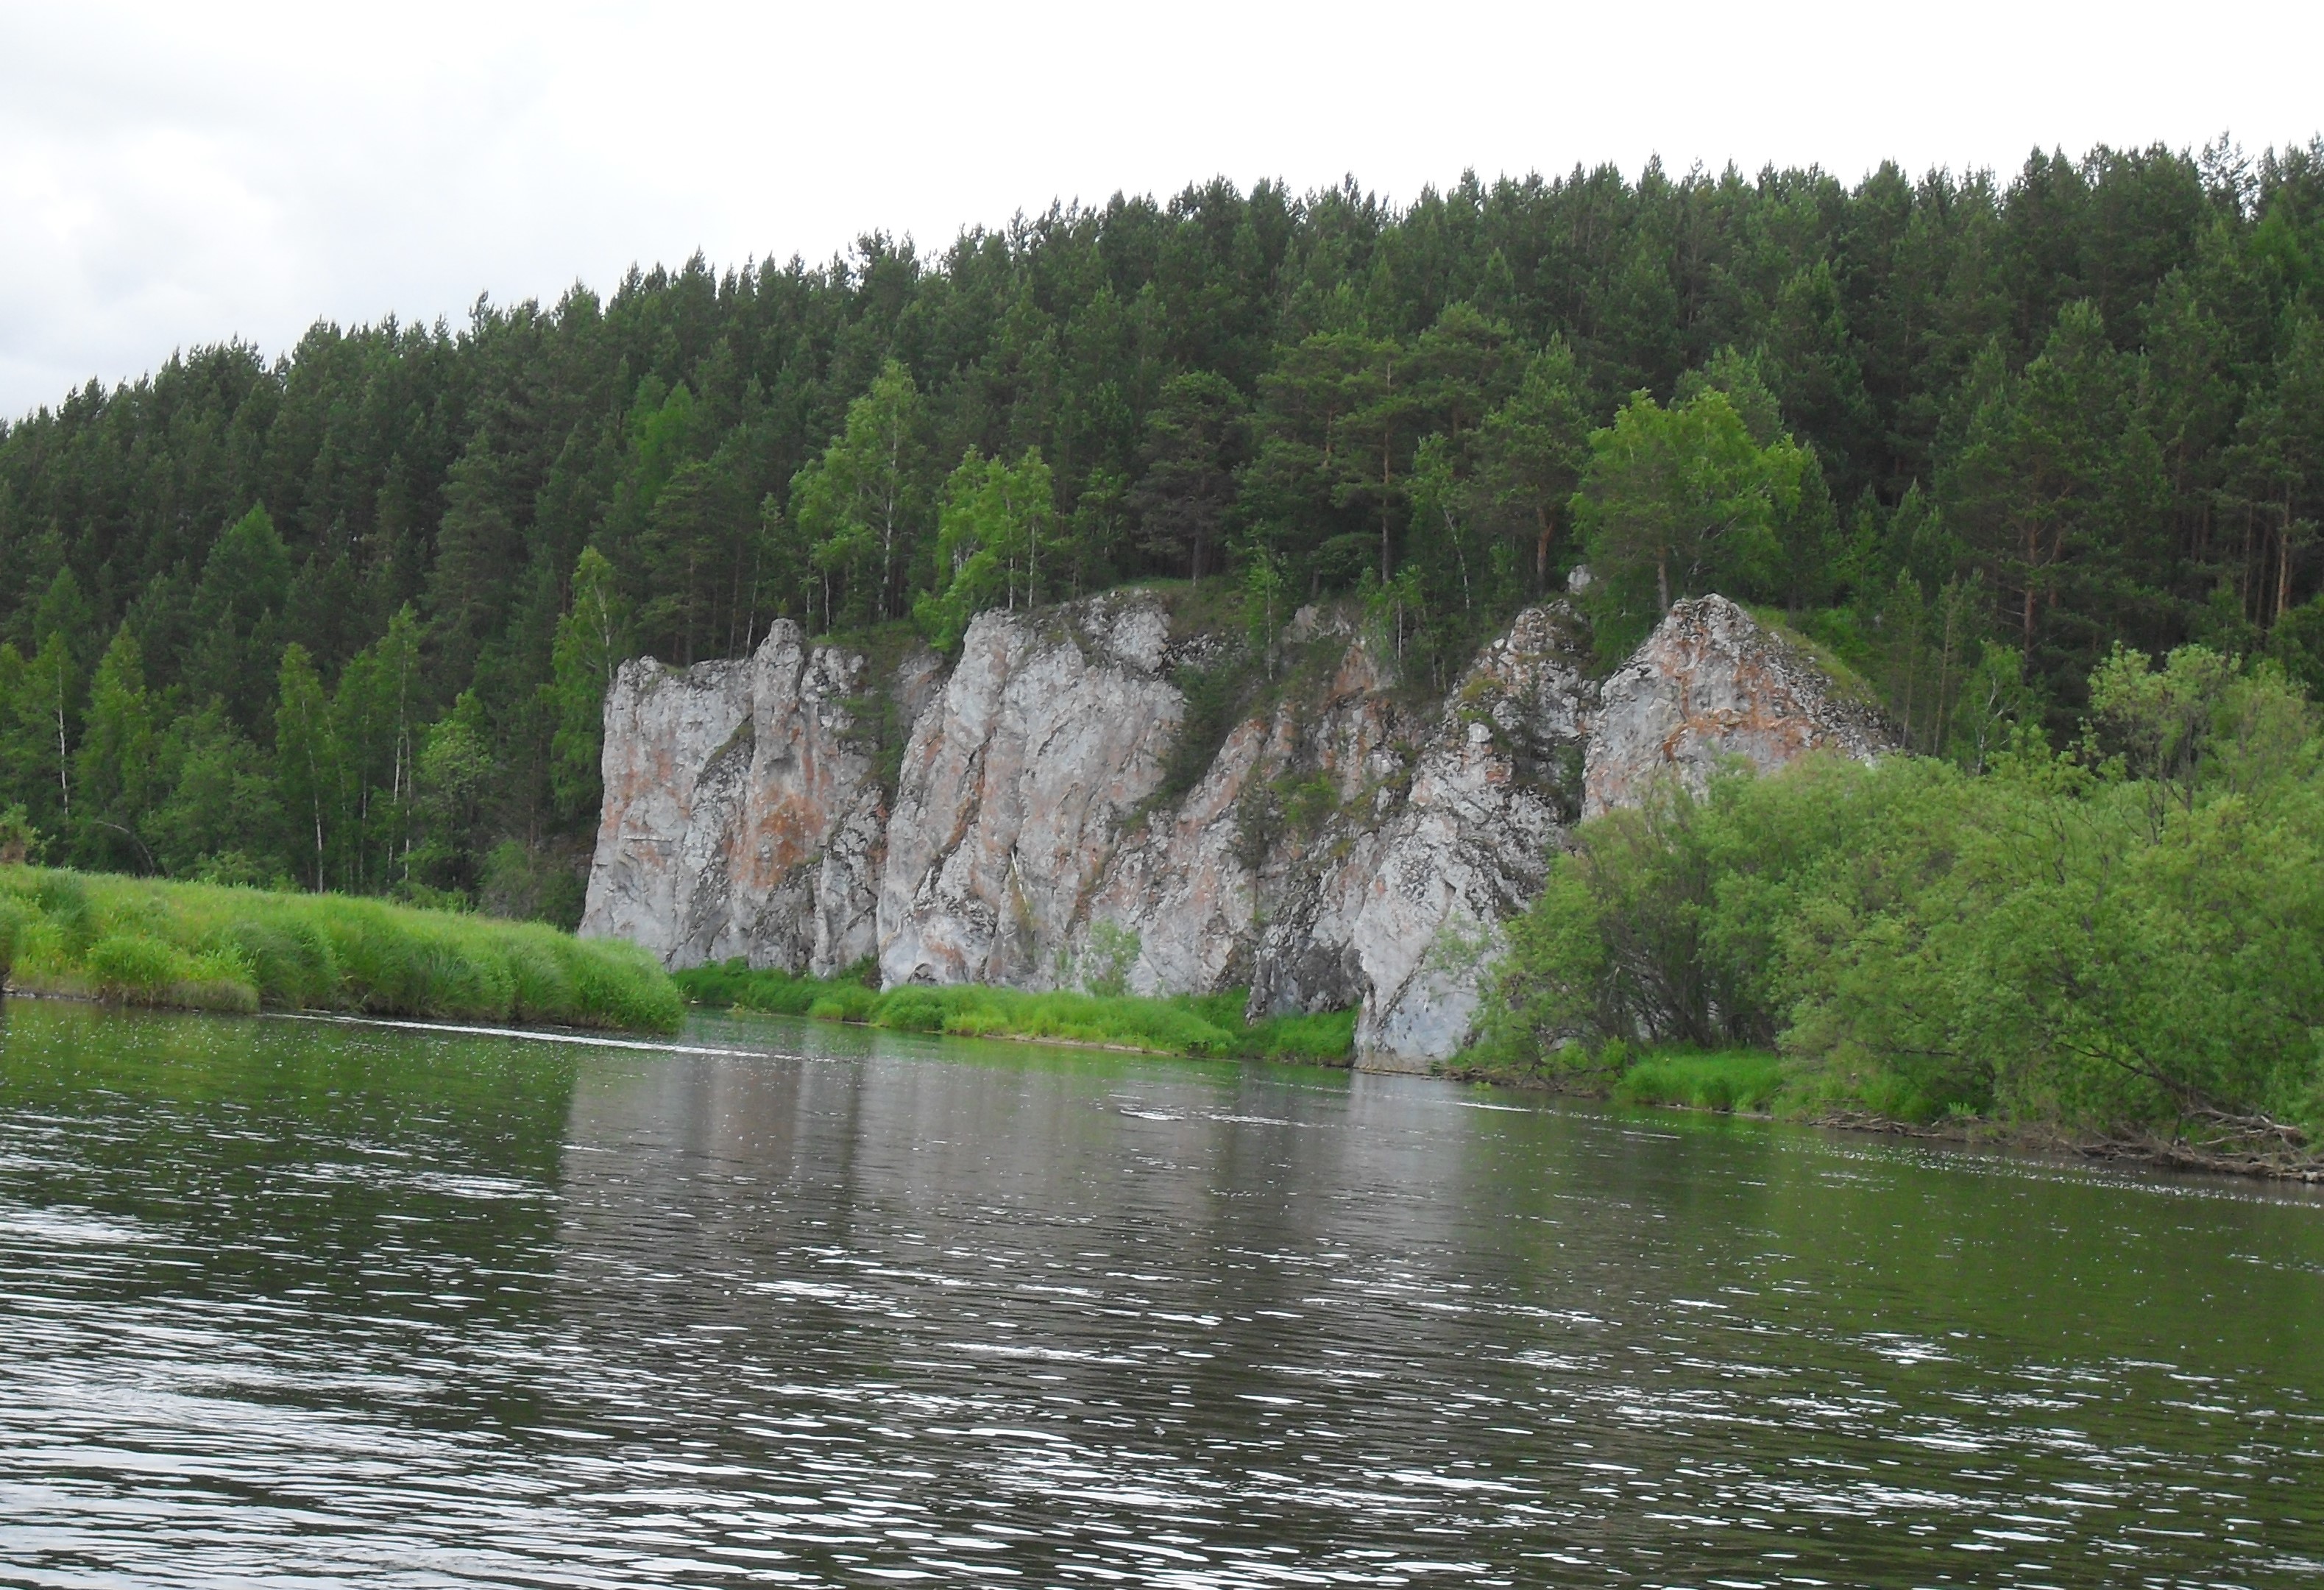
173, 174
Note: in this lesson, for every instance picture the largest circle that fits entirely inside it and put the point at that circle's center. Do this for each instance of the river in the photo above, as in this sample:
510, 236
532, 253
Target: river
284, 1302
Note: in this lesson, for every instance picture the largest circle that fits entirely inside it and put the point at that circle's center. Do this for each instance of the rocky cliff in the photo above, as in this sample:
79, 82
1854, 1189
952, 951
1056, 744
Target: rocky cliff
1341, 844
1015, 787
742, 815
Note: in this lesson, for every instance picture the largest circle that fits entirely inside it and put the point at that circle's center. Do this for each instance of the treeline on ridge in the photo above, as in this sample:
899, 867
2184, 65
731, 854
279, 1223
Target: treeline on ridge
347, 617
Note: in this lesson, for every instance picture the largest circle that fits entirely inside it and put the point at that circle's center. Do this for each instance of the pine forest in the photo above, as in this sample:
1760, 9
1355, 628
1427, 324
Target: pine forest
345, 617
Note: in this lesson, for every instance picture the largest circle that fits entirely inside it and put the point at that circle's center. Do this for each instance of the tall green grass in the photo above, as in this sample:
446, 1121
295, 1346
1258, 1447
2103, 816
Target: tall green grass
1680, 1075
1727, 1080
204, 946
1207, 1025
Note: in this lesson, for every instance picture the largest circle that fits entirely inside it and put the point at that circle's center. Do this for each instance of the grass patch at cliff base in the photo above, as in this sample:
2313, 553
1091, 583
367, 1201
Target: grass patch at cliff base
1203, 1025
1727, 1079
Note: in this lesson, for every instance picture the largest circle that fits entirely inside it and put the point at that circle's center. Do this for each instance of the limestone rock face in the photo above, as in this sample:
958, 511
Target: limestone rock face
1343, 846
805, 870
1182, 881
741, 815
1399, 911
1350, 747
1497, 784
1015, 781
1710, 683
671, 775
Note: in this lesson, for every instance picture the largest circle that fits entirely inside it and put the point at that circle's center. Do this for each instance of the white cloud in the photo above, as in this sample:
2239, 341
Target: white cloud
176, 174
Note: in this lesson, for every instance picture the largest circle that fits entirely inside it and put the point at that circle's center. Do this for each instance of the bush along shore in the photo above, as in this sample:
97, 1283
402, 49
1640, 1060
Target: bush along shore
208, 947
1206, 1026
2118, 946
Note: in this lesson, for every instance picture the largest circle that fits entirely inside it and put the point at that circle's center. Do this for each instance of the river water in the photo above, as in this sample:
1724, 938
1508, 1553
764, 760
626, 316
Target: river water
293, 1303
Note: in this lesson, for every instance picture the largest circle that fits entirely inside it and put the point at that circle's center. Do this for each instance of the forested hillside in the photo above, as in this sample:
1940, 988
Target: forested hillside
347, 615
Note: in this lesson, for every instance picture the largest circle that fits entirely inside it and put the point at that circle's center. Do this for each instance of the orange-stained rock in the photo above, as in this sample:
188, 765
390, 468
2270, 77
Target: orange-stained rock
741, 816
1711, 682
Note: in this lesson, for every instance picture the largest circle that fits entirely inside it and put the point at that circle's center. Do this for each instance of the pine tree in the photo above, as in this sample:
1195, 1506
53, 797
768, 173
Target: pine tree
308, 766
114, 763
592, 639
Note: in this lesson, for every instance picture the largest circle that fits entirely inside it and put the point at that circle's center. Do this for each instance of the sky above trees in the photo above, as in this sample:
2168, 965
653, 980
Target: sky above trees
175, 176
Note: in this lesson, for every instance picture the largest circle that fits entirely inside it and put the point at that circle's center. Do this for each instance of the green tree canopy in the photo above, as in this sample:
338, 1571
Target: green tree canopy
1682, 500
862, 506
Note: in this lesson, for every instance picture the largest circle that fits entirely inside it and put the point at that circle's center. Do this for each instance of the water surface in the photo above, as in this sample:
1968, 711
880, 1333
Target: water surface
284, 1302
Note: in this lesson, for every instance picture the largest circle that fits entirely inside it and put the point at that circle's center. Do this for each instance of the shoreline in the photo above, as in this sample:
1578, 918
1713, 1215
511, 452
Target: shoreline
2152, 1151
618, 1037
1051, 1041
1040, 1038
2146, 1150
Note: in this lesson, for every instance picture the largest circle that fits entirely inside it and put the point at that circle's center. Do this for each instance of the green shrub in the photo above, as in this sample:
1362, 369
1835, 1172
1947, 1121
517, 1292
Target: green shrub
13, 915
1328, 1036
910, 1009
1114, 949
63, 899
290, 961
525, 885
2123, 939
141, 970
124, 967
618, 985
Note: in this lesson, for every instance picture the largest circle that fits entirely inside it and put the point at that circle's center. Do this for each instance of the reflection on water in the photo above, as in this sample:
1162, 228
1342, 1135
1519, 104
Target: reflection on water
286, 1302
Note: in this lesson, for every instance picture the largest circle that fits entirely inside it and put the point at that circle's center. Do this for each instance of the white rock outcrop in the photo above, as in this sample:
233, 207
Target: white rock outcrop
741, 813
1015, 784
1338, 848
1493, 792
1711, 683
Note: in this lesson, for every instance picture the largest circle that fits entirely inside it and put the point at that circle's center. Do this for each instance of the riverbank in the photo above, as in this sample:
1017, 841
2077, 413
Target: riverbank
1198, 1026
1757, 1083
207, 947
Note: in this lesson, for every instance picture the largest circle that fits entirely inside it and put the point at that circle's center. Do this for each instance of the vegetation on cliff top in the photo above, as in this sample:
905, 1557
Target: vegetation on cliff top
203, 947
2123, 939
345, 620
1205, 1025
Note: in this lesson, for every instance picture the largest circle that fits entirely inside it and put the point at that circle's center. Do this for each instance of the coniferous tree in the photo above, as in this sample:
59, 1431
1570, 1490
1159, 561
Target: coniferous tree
592, 639
307, 765
113, 764
1194, 444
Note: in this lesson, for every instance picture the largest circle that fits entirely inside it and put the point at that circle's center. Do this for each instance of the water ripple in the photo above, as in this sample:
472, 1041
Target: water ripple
325, 1305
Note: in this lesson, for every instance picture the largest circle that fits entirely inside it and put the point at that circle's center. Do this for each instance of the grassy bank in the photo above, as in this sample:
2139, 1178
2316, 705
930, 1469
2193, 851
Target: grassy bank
1755, 1082
1207, 1025
202, 946
1746, 1079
